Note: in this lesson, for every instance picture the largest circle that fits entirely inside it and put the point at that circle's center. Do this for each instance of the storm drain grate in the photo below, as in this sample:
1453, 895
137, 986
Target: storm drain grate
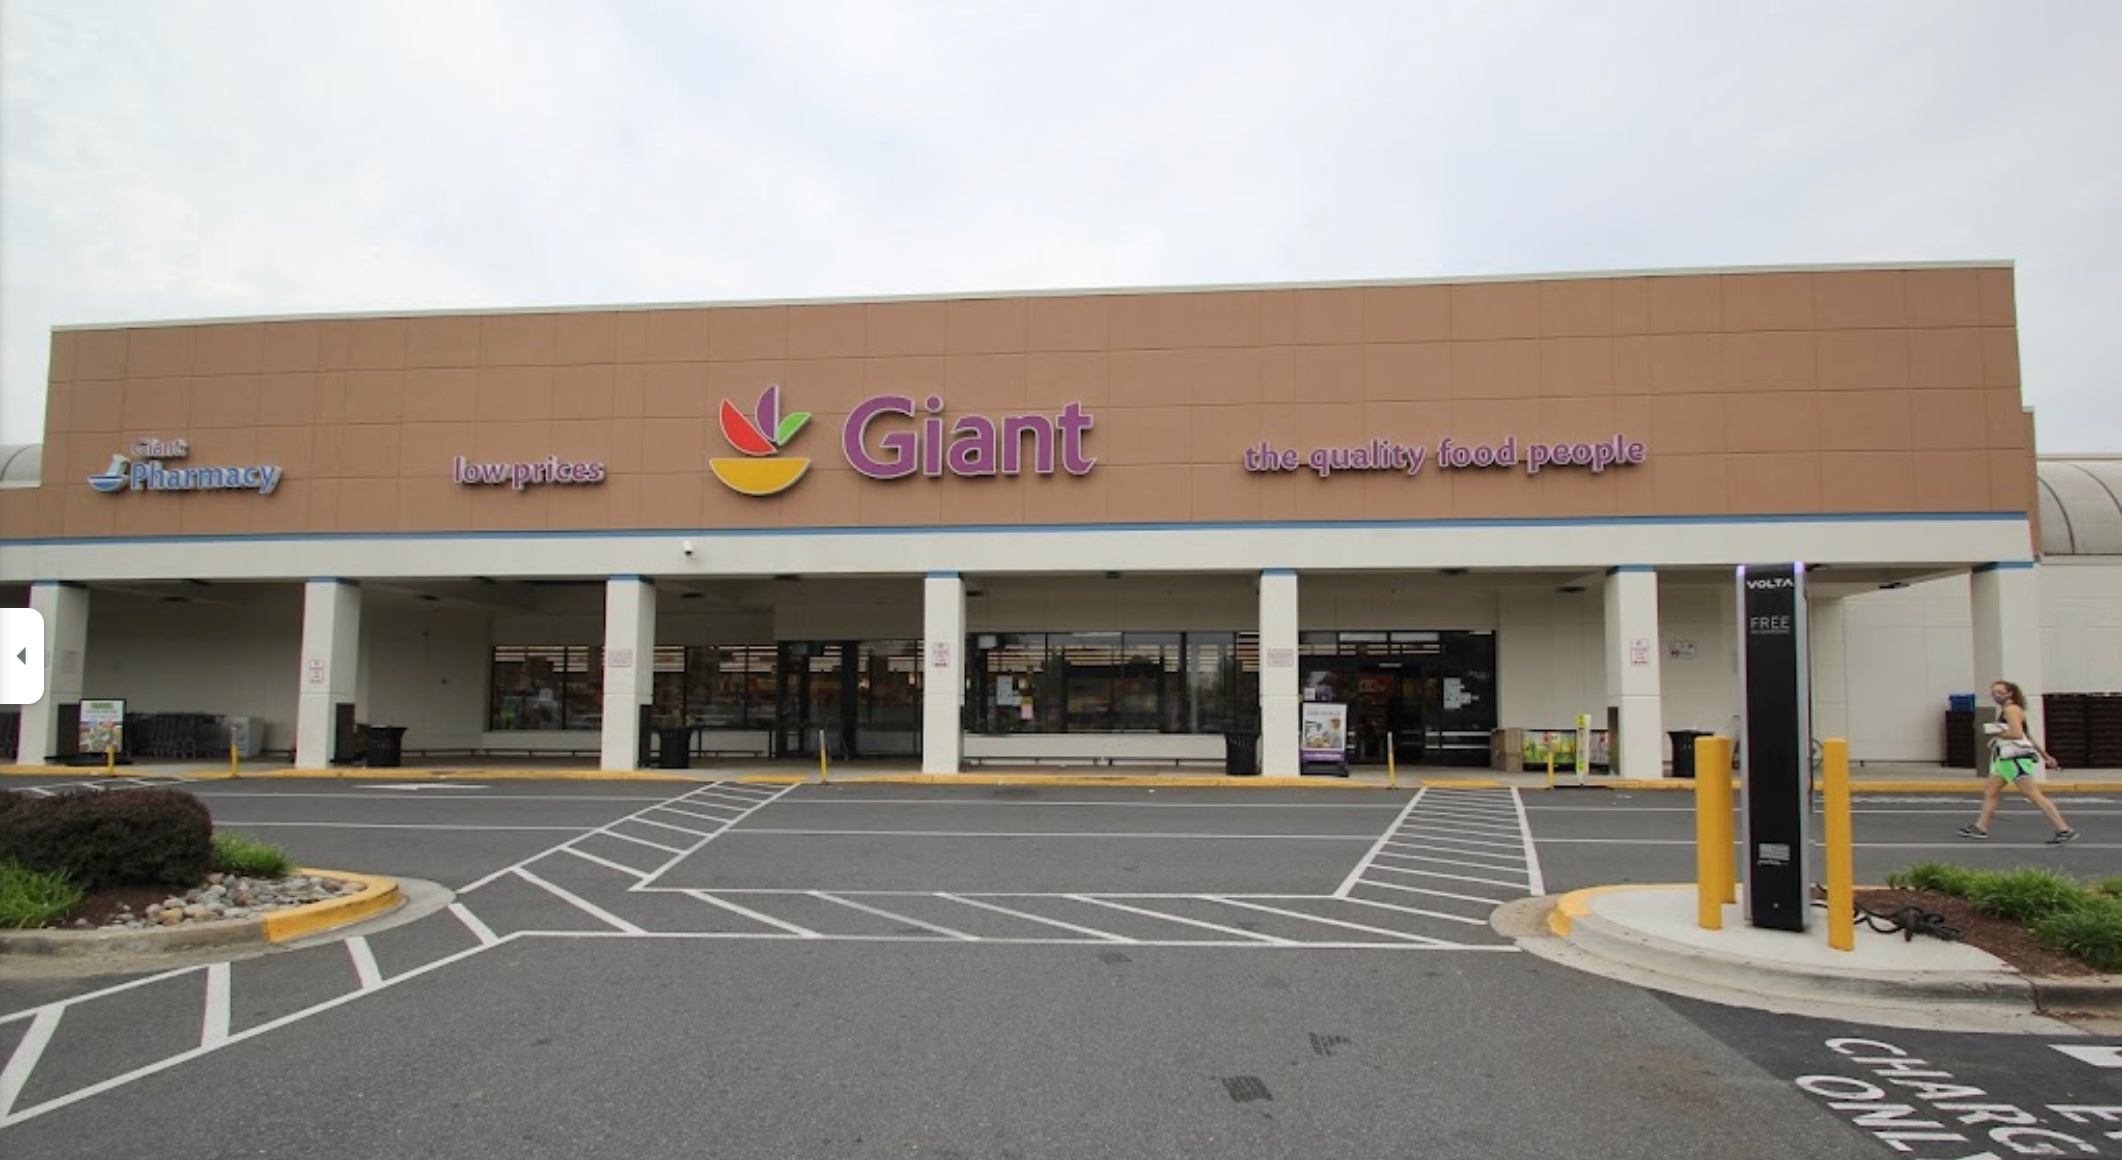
1246, 1088
1325, 1044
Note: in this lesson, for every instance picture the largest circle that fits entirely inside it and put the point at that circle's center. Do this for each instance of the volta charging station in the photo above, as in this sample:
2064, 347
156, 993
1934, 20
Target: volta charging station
1774, 777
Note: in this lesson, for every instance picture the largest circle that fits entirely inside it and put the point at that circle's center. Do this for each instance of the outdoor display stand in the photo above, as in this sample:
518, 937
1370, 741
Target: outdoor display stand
1322, 739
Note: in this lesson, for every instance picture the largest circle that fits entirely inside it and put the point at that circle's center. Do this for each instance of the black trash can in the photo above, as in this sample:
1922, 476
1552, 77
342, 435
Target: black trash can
385, 746
674, 747
1684, 750
1241, 753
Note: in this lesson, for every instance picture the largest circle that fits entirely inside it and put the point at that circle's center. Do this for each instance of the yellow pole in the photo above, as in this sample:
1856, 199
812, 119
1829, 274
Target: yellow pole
1714, 753
235, 767
1392, 768
824, 774
1712, 853
1550, 765
1841, 855
110, 761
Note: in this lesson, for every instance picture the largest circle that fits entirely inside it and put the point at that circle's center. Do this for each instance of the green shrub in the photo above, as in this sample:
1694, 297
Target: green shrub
34, 898
2026, 895
1934, 876
101, 838
236, 854
2112, 887
2091, 931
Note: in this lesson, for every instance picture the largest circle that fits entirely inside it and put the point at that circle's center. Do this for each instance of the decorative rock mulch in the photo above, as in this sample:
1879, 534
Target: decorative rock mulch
228, 897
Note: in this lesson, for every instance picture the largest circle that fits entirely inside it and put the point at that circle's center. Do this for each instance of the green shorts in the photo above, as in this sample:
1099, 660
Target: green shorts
2011, 769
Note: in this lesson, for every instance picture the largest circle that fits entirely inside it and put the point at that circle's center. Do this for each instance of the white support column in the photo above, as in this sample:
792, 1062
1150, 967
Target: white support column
1632, 671
331, 666
1278, 674
2007, 615
1828, 682
629, 667
942, 672
65, 611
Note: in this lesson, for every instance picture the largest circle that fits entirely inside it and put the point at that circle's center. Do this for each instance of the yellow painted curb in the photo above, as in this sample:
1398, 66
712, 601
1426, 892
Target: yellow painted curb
1154, 781
1462, 783
380, 894
48, 770
367, 774
1577, 903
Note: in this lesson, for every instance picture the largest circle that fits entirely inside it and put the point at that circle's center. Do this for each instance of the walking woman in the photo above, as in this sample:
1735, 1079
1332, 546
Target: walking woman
2016, 759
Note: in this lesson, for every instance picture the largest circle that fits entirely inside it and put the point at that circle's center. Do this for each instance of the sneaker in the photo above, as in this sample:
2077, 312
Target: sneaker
2063, 836
1974, 831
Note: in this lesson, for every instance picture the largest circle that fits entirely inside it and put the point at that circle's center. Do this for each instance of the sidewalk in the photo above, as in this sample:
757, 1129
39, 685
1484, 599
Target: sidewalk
1649, 936
1874, 779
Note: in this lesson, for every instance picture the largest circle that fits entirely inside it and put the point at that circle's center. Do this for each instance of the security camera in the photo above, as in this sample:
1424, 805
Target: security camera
688, 546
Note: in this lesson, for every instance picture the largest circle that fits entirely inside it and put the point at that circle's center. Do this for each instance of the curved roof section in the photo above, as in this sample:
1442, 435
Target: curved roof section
2081, 506
21, 464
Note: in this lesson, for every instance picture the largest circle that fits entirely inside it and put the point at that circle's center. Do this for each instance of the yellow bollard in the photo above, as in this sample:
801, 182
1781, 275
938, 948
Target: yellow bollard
824, 774
110, 761
235, 766
1392, 767
1550, 767
1841, 854
1715, 883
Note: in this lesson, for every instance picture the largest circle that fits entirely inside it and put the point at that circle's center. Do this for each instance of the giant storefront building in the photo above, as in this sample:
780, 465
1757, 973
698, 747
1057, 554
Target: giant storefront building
1084, 527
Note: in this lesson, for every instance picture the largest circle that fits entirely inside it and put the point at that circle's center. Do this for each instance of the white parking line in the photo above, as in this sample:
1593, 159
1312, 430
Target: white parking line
480, 930
1125, 805
672, 828
750, 831
1298, 914
213, 1028
1431, 832
24, 1060
1439, 893
886, 914
1536, 883
1356, 875
1178, 919
579, 903
1443, 862
1453, 877
611, 833
637, 875
768, 919
1055, 922
1520, 862
1458, 918
365, 968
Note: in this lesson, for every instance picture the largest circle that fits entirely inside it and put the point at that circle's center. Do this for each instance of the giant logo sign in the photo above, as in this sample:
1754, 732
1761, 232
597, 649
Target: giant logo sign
896, 436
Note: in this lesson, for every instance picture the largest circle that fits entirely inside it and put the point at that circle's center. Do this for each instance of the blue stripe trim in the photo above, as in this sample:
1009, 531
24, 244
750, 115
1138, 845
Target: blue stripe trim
1278, 571
1046, 529
649, 580
2005, 566
943, 576
1620, 568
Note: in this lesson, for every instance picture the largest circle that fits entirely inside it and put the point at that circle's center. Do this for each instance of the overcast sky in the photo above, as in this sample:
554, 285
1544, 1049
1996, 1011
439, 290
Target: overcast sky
163, 160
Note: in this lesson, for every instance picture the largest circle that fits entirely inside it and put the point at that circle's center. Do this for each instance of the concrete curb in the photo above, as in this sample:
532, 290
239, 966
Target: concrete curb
379, 894
1662, 964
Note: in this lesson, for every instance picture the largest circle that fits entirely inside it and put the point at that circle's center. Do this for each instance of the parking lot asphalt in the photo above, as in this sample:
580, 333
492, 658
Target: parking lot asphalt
650, 970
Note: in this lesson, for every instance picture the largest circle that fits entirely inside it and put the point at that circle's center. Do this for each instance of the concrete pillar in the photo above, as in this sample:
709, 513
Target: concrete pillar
65, 611
1828, 682
2007, 615
1633, 696
1278, 674
942, 672
331, 666
629, 667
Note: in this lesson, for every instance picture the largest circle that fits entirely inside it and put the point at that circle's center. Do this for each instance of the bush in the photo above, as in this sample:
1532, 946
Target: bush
34, 898
10, 798
2092, 931
236, 854
2112, 887
2027, 895
1934, 876
112, 837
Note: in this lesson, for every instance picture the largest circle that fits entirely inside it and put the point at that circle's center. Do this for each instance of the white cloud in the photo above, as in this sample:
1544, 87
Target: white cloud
163, 161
